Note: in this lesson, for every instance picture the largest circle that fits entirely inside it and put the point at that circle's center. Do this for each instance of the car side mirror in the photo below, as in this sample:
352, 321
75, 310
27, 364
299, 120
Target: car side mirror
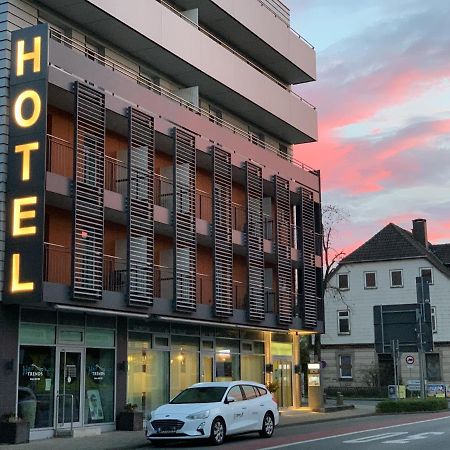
230, 399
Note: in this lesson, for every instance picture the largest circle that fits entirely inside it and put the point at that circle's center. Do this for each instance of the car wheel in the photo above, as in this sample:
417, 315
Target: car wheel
217, 435
268, 426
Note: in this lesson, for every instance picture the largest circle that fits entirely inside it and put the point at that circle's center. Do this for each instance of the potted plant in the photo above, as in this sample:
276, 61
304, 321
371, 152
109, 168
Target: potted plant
14, 430
272, 386
129, 419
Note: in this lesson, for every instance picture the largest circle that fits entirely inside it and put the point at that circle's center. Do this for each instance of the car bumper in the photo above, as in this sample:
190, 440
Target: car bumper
192, 429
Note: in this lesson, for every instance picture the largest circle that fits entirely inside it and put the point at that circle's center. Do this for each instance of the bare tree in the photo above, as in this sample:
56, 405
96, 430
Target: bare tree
332, 217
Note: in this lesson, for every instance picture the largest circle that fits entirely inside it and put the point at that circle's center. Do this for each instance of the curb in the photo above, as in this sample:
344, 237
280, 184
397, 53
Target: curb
325, 419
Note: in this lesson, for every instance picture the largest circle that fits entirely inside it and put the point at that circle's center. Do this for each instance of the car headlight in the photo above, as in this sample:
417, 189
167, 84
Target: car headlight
199, 415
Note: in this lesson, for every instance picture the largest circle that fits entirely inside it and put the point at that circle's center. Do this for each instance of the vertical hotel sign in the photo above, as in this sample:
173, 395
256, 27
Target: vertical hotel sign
26, 165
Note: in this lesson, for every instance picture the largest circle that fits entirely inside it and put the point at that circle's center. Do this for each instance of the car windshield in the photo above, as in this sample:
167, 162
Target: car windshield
200, 395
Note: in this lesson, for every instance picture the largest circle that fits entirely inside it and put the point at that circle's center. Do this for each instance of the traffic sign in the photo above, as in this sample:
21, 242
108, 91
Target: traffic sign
410, 360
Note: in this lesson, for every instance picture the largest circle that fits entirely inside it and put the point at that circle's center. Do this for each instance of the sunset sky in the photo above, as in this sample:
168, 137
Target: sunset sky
383, 97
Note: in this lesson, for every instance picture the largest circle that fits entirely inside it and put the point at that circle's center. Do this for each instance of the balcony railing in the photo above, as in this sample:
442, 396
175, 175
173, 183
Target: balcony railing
57, 263
114, 273
203, 205
145, 82
163, 192
59, 156
163, 282
116, 175
239, 217
268, 228
204, 289
240, 295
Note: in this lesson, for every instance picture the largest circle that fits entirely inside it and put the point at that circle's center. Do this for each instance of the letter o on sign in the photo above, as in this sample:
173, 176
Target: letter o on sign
32, 96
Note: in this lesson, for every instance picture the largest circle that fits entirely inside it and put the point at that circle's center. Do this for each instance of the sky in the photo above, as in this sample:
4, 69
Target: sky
383, 100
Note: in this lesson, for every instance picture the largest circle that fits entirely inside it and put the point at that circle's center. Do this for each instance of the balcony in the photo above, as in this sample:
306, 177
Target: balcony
204, 289
59, 156
116, 175
114, 274
203, 205
240, 295
57, 264
163, 192
239, 217
163, 282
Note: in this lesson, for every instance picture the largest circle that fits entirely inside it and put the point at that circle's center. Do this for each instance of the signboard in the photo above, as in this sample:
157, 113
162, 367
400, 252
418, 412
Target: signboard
410, 360
400, 322
436, 390
413, 385
314, 374
25, 192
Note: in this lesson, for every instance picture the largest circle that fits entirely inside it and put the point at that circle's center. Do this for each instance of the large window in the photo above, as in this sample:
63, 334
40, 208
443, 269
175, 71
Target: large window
433, 319
345, 366
343, 322
184, 363
148, 383
99, 385
36, 385
396, 278
252, 361
343, 281
370, 280
227, 359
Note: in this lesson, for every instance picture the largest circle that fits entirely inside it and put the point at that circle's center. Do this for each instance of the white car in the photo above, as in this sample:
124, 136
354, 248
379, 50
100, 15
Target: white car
213, 411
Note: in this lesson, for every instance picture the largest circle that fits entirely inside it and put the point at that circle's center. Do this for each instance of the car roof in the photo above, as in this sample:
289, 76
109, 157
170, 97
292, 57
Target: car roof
226, 384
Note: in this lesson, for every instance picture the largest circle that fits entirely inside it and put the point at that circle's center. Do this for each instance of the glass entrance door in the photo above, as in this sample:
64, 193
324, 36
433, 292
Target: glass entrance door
69, 386
282, 375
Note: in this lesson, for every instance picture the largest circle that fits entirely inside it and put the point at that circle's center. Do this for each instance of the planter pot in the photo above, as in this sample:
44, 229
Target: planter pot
14, 433
130, 421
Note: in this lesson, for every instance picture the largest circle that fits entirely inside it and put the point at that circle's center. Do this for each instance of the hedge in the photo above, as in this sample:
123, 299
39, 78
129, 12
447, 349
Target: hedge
412, 405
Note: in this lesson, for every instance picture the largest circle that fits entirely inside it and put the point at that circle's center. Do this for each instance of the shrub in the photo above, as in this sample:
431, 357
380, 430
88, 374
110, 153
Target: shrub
412, 405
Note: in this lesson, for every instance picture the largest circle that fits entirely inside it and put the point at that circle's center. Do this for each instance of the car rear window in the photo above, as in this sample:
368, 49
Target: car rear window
261, 390
200, 395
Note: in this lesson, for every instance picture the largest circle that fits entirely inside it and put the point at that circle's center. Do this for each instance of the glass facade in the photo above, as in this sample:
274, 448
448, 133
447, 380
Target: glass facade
70, 356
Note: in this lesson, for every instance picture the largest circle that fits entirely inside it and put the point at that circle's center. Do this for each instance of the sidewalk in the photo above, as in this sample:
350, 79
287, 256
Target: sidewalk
118, 440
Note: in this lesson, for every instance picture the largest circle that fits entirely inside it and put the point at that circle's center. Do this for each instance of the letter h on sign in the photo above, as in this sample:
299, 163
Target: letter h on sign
26, 165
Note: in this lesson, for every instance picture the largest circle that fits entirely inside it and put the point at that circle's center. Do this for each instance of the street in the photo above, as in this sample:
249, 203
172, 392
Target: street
369, 433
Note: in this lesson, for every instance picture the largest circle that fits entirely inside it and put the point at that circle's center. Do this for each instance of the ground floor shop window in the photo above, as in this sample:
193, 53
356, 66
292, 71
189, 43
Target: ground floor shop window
148, 373
99, 386
36, 385
184, 363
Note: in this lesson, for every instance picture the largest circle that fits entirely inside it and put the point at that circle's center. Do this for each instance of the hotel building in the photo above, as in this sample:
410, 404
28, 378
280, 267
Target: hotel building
155, 227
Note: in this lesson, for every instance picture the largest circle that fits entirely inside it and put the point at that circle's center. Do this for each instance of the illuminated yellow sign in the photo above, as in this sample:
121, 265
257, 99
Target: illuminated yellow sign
34, 56
26, 164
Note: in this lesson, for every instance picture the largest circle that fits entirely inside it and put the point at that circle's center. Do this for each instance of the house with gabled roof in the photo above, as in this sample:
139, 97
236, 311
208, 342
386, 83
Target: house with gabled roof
383, 271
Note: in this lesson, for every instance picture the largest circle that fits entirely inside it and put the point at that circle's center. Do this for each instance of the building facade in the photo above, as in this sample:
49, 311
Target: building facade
157, 230
381, 276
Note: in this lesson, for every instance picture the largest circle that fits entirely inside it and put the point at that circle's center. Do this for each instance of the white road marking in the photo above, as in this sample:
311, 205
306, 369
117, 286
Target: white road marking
414, 437
353, 432
377, 437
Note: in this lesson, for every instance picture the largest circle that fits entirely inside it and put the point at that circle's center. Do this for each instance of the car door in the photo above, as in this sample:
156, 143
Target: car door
252, 411
233, 411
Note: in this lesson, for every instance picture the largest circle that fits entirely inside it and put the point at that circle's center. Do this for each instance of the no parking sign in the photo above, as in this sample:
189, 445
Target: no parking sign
409, 360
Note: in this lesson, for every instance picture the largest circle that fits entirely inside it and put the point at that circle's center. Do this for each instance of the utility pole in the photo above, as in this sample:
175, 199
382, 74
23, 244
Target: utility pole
396, 357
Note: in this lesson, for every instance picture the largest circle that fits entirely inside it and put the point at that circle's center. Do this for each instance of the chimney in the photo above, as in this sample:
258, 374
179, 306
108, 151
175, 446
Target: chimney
419, 231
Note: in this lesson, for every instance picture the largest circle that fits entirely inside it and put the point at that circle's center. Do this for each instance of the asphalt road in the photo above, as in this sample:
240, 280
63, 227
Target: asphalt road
411, 431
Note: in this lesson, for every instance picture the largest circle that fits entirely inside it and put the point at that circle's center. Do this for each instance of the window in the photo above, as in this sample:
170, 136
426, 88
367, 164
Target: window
249, 392
396, 278
433, 366
427, 274
236, 393
370, 280
343, 322
343, 281
345, 366
433, 319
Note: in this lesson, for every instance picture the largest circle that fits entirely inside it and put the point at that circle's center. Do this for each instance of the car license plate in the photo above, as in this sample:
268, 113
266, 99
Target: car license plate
167, 431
